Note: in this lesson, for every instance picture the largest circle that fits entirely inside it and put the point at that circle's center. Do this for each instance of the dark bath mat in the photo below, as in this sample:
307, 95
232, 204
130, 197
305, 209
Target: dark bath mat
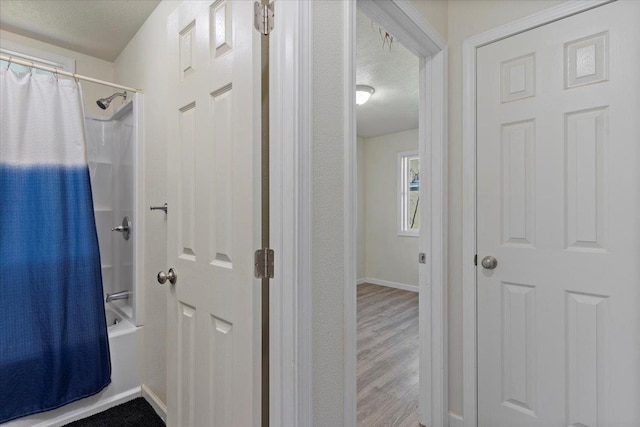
135, 413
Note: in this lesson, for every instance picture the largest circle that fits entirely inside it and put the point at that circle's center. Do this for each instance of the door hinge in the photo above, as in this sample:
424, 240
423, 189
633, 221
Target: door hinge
263, 262
475, 259
263, 17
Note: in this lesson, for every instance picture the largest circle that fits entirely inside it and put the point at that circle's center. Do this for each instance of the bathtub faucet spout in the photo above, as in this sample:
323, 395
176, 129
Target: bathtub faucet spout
118, 295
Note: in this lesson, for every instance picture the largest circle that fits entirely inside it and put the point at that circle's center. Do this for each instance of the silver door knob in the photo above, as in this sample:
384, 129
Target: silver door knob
489, 262
172, 276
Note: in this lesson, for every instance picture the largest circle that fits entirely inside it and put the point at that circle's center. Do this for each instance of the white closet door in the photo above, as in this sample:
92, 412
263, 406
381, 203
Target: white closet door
558, 206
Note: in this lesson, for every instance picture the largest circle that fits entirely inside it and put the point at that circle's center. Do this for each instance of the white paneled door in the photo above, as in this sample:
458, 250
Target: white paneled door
558, 206
213, 317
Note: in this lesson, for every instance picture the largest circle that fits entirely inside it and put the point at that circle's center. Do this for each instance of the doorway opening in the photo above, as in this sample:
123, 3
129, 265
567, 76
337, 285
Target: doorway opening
399, 22
388, 227
293, 133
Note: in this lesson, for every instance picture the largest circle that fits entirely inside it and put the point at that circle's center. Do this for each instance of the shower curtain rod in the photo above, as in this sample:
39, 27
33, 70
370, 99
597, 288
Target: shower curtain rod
56, 71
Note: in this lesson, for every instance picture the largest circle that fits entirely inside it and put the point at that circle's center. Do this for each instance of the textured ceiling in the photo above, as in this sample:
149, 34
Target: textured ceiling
100, 28
393, 73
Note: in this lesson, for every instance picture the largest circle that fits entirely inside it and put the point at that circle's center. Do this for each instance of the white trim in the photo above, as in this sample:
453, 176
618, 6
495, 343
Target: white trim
470, 45
350, 190
434, 361
156, 403
388, 284
401, 19
455, 420
305, 188
290, 204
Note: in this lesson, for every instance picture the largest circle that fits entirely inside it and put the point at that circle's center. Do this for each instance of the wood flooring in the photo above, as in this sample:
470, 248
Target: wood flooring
387, 357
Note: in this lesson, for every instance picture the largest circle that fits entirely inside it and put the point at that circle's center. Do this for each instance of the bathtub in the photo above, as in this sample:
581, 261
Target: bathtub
124, 342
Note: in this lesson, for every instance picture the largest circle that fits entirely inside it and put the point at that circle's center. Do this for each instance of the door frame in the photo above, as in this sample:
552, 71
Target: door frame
401, 19
291, 195
469, 144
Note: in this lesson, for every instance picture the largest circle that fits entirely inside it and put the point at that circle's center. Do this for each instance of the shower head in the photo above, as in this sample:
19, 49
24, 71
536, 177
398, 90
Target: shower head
104, 102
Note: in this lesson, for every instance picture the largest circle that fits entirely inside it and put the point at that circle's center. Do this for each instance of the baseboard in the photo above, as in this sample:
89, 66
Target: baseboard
155, 402
455, 420
403, 286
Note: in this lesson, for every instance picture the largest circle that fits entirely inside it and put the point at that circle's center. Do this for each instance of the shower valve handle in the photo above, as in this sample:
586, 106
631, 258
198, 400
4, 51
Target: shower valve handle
125, 228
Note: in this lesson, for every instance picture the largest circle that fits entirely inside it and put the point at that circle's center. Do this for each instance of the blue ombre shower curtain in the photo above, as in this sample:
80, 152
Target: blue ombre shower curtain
54, 347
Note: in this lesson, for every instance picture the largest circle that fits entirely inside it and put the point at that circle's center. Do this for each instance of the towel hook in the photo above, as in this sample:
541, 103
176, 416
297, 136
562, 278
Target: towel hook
164, 208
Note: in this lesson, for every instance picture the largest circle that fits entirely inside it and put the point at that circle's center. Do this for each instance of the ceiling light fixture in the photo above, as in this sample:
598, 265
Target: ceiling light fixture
363, 93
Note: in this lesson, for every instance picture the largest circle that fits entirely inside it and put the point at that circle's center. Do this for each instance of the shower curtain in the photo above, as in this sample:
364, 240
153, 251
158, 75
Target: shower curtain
54, 347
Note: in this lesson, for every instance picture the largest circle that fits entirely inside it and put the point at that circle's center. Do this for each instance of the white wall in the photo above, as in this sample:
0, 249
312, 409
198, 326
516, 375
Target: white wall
435, 11
387, 256
85, 65
143, 64
362, 214
328, 226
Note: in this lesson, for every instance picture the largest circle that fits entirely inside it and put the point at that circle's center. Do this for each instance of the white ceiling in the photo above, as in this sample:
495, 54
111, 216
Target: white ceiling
393, 73
100, 28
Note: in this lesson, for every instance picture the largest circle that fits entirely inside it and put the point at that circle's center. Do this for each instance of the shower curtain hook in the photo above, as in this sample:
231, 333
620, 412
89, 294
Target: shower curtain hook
9, 63
56, 70
31, 71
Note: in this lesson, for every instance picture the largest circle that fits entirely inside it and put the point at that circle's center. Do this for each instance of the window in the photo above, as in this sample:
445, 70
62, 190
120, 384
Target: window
37, 56
409, 193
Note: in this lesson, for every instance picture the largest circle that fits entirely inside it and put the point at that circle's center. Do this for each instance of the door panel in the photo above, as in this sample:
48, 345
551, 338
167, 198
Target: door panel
213, 324
559, 206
